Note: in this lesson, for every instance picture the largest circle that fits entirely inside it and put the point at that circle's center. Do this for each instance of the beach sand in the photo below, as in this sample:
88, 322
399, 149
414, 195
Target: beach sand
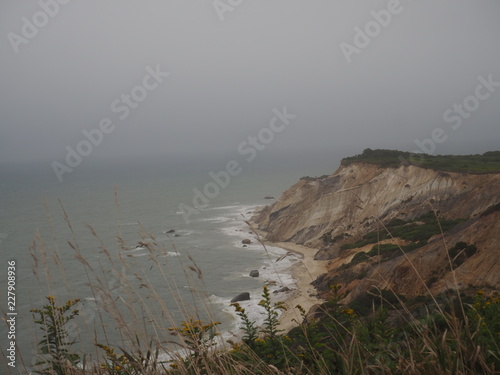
304, 272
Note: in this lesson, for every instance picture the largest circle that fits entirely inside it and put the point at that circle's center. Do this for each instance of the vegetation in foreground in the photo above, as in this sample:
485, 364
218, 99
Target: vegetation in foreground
457, 334
381, 332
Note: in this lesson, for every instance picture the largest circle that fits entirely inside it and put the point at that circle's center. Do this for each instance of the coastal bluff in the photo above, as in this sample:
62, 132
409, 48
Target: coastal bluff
399, 225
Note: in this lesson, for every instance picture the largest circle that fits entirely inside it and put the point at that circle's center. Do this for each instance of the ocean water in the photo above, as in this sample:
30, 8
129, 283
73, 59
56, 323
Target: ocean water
42, 222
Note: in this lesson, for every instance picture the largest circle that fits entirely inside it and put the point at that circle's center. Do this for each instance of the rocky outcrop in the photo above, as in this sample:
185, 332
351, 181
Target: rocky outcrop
357, 197
429, 268
330, 212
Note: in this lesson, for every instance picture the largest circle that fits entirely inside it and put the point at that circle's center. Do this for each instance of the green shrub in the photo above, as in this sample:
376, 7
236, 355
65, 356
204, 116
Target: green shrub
54, 355
486, 163
461, 252
359, 257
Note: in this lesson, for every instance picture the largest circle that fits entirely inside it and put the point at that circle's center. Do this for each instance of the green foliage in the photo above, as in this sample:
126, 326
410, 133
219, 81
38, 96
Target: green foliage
376, 334
460, 252
486, 313
130, 363
359, 258
383, 249
249, 327
364, 304
271, 321
54, 356
198, 338
417, 232
265, 342
487, 163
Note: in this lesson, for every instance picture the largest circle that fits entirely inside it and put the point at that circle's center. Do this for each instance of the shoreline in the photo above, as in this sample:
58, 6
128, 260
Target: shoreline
304, 272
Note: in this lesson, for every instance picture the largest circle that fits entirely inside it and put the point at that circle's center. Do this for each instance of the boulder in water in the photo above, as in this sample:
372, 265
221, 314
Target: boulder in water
254, 273
241, 297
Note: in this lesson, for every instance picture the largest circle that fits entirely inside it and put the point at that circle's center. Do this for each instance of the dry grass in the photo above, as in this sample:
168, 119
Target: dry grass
445, 342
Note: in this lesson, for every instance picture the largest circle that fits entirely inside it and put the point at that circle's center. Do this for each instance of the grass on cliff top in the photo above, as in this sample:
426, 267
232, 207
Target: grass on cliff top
489, 162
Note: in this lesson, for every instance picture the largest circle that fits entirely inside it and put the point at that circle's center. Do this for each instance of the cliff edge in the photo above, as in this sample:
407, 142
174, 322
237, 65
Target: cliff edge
391, 224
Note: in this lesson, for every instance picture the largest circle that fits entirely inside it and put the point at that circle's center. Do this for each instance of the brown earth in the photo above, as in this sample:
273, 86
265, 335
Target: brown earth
358, 198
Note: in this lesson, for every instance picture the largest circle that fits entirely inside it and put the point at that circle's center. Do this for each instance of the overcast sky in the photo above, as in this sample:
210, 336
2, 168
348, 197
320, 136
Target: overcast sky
230, 67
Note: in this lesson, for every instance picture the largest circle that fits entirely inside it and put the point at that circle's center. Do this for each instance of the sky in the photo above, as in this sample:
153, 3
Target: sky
121, 79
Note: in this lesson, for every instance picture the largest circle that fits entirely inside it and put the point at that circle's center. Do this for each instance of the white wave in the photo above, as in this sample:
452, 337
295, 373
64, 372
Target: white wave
225, 207
252, 309
217, 219
180, 233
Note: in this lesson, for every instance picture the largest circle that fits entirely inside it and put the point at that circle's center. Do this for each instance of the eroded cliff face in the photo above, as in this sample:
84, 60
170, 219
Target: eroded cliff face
356, 198
326, 213
429, 268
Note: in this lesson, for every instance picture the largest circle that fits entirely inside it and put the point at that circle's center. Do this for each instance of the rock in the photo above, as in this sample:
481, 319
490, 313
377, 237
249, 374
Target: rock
170, 231
268, 197
241, 297
245, 246
246, 241
314, 314
254, 273
281, 290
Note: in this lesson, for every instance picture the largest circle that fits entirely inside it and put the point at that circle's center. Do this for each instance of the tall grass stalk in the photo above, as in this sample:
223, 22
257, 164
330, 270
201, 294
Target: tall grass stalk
339, 341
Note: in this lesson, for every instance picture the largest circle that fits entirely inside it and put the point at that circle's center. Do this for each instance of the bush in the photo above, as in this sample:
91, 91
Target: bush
54, 355
461, 252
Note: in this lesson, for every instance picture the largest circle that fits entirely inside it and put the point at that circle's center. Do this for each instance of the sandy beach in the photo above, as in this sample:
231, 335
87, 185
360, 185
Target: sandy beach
304, 272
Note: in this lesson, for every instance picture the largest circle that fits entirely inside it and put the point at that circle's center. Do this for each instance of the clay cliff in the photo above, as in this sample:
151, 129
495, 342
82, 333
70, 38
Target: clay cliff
418, 228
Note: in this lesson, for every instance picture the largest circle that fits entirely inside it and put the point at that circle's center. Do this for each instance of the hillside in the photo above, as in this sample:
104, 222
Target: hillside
373, 208
485, 163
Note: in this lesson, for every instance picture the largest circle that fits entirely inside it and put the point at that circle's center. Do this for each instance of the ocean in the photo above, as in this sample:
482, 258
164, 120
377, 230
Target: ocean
162, 269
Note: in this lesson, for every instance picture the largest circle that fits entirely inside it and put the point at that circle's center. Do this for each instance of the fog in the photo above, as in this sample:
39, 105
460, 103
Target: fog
177, 79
